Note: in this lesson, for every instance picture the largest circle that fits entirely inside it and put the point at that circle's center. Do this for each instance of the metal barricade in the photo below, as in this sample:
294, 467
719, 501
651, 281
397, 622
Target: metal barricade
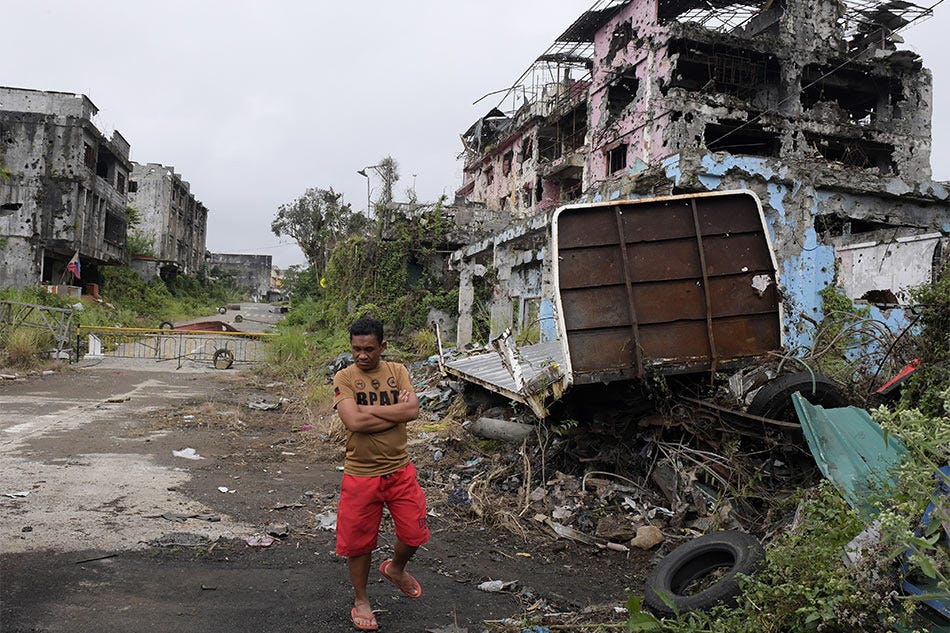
165, 345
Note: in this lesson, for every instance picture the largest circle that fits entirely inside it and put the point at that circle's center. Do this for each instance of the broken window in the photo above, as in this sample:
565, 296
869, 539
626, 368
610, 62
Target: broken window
619, 39
133, 186
549, 148
572, 128
855, 152
506, 162
622, 92
859, 96
617, 158
570, 189
105, 164
120, 182
89, 157
114, 229
740, 137
724, 69
527, 150
489, 175
526, 197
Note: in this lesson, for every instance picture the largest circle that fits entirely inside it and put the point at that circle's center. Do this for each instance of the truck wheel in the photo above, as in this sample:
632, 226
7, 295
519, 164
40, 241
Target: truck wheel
681, 581
222, 310
774, 400
222, 359
166, 325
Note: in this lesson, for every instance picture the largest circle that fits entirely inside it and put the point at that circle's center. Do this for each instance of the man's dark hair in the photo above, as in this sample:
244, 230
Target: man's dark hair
365, 326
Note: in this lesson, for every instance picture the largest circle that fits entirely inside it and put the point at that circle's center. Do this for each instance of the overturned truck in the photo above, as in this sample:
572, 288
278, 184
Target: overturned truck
673, 285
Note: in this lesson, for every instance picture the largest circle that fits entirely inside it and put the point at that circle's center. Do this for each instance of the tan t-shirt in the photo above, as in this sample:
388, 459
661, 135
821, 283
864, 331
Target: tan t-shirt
373, 454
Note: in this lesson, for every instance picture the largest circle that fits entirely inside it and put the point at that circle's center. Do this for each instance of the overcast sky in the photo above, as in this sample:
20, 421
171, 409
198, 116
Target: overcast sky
253, 102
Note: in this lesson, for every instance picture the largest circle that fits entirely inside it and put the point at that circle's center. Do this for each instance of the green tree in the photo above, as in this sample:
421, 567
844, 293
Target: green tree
317, 220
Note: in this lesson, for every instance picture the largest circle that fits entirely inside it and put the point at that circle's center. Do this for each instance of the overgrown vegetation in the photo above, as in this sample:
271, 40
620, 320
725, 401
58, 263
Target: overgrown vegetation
931, 346
22, 347
804, 585
397, 280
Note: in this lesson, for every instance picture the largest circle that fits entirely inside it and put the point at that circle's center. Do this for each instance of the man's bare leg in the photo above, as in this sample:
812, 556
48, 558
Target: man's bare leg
359, 576
396, 570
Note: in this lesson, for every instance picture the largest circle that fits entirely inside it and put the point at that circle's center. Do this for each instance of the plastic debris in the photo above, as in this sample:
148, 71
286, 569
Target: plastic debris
187, 453
225, 489
326, 520
494, 586
259, 540
459, 497
15, 495
263, 405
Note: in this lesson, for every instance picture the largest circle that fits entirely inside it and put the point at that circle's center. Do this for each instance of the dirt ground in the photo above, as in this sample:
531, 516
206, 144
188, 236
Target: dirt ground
88, 550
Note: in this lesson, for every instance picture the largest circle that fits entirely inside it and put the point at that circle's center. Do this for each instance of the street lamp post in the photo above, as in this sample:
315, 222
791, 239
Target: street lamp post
364, 174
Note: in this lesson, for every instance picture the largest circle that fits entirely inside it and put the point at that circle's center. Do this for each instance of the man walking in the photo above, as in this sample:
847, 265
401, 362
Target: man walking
375, 400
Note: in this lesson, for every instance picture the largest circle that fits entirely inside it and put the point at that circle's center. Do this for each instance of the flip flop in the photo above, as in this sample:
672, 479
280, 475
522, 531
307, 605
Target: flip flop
362, 622
416, 590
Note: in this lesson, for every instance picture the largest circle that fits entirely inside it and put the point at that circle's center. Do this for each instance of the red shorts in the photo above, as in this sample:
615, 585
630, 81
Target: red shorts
361, 508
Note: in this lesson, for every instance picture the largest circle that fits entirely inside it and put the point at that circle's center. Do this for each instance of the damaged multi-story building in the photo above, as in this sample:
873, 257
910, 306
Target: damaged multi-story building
172, 220
250, 274
62, 188
810, 105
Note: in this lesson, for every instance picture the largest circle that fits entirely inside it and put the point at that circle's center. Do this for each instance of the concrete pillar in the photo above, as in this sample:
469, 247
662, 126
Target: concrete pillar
463, 333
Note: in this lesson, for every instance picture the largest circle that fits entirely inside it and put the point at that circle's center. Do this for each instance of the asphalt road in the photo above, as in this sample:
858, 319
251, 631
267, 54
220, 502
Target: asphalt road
86, 459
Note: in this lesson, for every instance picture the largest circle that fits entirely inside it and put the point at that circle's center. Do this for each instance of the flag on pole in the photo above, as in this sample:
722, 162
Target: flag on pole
73, 265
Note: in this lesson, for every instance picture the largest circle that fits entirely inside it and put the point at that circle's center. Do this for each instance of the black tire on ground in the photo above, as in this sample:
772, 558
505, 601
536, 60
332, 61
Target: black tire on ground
166, 325
222, 359
668, 589
774, 400
222, 310
238, 318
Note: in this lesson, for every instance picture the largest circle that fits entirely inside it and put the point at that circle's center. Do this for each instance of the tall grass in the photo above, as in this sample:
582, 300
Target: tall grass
21, 347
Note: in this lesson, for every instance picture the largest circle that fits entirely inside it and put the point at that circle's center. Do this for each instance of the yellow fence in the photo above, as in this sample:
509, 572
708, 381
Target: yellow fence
218, 348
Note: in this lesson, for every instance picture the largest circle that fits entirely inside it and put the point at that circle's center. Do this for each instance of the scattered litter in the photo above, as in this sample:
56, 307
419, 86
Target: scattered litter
326, 520
187, 417
225, 489
306, 427
523, 554
181, 518
208, 587
648, 536
288, 453
570, 533
187, 453
9, 376
339, 468
279, 530
259, 540
494, 586
437, 455
48, 372
459, 497
14, 495
118, 399
448, 628
26, 528
263, 405
94, 559
289, 506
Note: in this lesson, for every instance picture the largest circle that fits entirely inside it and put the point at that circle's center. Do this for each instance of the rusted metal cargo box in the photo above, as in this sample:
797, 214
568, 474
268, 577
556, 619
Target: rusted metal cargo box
666, 285
679, 284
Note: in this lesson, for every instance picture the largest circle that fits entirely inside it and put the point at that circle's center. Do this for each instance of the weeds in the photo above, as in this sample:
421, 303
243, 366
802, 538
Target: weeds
22, 346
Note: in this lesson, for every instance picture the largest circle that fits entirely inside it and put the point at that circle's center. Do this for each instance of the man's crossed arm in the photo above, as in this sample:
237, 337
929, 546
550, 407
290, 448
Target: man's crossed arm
373, 418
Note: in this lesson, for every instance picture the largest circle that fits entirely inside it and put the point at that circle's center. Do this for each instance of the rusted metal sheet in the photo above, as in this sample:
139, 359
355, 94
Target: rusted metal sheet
685, 283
